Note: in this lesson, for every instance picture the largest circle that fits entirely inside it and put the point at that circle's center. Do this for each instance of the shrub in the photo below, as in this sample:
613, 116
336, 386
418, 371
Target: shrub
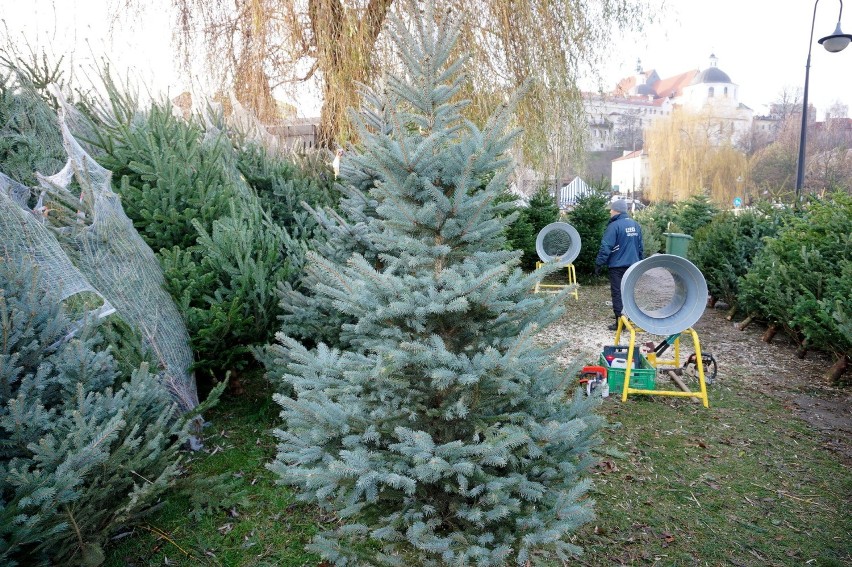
282, 185
522, 234
29, 138
542, 210
519, 234
655, 221
224, 215
800, 279
168, 173
693, 213
345, 230
725, 248
684, 217
226, 286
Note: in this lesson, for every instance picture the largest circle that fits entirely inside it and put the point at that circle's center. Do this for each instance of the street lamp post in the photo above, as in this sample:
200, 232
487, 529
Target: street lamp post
832, 43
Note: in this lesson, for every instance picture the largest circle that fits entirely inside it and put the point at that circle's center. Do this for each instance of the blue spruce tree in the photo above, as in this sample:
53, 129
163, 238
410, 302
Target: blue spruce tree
439, 433
83, 449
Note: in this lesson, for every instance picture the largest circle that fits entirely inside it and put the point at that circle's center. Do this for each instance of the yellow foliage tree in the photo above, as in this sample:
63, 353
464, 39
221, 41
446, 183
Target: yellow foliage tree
693, 153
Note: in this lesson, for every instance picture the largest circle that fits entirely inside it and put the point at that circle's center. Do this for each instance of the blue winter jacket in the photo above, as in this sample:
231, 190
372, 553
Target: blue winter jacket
621, 245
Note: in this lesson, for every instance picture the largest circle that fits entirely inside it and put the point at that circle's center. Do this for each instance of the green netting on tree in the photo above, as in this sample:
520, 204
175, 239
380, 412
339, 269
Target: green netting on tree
556, 243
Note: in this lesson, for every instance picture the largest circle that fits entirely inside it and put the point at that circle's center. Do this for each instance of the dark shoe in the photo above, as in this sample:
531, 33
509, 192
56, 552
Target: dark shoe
613, 327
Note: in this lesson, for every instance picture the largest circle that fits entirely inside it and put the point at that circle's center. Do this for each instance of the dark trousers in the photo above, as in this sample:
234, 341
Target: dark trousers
615, 275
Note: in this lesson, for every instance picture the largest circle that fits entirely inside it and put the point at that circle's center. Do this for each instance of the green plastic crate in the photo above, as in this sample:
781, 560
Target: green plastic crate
643, 377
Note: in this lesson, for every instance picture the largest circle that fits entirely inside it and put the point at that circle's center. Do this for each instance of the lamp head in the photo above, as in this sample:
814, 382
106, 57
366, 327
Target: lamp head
836, 41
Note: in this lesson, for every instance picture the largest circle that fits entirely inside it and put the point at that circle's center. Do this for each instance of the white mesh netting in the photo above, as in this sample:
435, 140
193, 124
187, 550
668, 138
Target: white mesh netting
23, 234
80, 237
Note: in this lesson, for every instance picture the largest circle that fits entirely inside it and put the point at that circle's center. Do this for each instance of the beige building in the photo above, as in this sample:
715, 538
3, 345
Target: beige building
639, 100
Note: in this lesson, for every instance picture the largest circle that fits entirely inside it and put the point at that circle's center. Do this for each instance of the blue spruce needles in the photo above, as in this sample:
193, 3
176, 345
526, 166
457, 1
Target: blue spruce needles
439, 435
84, 449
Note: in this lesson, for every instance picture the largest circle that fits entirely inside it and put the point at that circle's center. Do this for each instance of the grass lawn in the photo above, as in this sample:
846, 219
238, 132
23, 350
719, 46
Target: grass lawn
260, 523
743, 483
740, 484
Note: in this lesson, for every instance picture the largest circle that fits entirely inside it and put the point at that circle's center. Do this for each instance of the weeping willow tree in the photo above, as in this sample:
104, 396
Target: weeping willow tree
692, 153
259, 46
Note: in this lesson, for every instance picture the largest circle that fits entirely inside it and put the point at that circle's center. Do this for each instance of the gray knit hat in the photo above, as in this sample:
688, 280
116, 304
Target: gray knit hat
619, 206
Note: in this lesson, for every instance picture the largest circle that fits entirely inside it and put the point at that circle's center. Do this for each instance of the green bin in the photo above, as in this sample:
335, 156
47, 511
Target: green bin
677, 244
642, 377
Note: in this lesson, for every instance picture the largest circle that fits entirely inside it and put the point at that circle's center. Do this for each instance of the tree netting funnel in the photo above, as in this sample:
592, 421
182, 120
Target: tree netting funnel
687, 303
558, 243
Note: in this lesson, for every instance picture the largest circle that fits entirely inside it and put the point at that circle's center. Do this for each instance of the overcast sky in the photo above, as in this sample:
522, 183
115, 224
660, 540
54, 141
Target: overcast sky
761, 44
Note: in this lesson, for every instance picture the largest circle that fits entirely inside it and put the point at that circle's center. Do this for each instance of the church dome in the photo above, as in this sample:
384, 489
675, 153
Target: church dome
711, 75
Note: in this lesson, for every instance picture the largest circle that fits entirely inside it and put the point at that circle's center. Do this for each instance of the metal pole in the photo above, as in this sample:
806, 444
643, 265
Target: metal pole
803, 133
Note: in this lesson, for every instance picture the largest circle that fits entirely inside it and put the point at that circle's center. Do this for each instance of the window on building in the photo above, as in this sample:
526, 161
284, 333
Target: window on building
710, 92
726, 92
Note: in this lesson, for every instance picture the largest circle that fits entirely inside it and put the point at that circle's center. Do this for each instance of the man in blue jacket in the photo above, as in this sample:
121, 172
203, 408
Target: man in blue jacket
621, 247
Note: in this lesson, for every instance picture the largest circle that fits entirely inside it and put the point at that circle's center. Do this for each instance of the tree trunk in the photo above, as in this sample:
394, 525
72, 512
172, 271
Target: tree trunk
711, 301
837, 369
328, 127
344, 44
745, 323
251, 80
731, 312
802, 351
769, 334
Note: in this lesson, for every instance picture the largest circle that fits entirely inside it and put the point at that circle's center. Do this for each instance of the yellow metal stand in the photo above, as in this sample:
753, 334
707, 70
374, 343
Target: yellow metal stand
553, 288
624, 322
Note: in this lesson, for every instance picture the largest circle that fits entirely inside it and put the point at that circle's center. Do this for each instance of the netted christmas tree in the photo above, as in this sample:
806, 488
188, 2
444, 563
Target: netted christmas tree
441, 434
